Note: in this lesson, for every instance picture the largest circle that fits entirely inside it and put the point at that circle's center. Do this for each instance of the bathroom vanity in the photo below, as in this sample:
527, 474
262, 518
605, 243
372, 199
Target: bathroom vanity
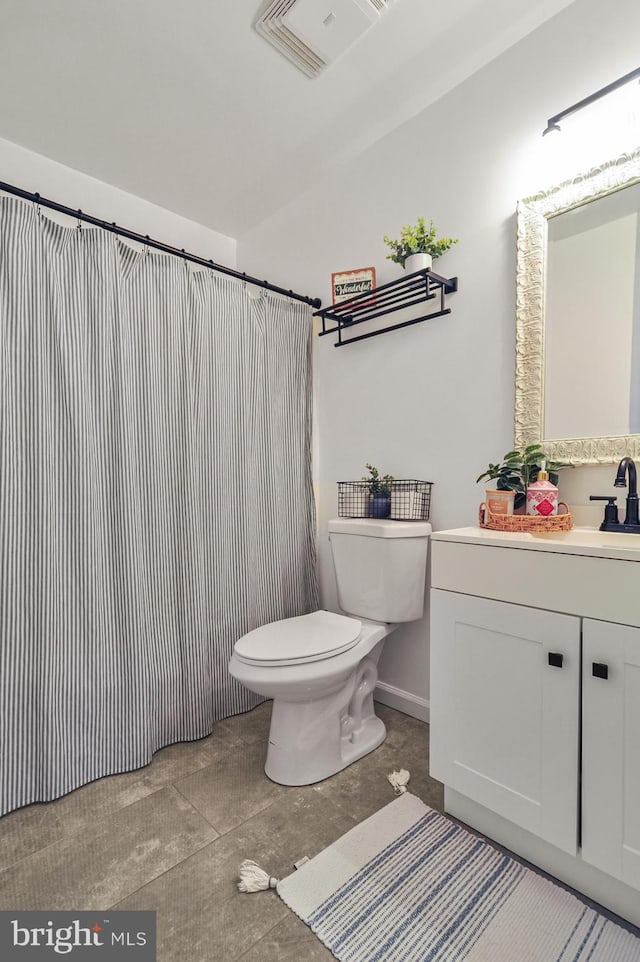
535, 699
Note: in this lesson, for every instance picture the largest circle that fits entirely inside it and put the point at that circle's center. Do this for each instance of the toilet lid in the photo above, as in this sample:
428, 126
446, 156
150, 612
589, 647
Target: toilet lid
295, 641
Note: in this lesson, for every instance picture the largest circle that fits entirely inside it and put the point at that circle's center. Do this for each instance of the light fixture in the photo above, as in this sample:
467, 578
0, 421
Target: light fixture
553, 122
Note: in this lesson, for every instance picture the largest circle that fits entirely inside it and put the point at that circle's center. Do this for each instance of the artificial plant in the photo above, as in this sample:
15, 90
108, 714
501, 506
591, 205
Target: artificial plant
378, 485
418, 239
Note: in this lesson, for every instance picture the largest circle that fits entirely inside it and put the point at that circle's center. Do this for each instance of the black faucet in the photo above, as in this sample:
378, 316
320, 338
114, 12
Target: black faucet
631, 521
631, 517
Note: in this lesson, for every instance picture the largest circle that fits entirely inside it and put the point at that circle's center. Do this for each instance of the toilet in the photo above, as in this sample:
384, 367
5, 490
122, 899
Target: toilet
320, 669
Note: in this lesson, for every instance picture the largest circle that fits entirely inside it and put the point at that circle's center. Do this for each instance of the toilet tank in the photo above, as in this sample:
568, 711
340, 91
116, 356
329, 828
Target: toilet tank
380, 567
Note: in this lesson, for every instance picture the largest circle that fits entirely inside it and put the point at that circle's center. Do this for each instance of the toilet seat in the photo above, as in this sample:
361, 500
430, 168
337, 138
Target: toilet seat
297, 641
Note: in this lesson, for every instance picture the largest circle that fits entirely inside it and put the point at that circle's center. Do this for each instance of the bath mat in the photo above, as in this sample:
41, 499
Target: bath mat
410, 885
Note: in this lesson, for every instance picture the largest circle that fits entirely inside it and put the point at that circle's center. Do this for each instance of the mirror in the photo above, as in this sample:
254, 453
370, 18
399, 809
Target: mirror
578, 316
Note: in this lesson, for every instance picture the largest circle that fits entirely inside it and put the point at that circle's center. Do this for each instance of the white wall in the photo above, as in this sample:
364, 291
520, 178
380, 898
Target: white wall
435, 401
37, 174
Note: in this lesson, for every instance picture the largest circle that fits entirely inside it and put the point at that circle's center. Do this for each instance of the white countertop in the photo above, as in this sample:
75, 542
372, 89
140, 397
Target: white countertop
589, 542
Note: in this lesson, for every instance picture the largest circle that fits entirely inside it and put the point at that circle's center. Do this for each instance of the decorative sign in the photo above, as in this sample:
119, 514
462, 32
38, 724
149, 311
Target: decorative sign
348, 284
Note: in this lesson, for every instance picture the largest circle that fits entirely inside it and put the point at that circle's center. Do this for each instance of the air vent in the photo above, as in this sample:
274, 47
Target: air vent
314, 33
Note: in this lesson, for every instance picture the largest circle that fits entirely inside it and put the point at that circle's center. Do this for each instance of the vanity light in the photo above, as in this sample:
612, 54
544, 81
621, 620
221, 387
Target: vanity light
553, 122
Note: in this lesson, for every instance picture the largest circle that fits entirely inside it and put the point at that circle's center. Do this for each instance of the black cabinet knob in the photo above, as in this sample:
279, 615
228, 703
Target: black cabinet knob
555, 659
599, 670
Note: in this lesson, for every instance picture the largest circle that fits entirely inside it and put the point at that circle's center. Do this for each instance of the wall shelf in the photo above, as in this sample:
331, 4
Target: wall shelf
407, 291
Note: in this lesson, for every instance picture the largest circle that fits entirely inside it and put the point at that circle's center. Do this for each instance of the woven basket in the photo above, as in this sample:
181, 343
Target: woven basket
526, 522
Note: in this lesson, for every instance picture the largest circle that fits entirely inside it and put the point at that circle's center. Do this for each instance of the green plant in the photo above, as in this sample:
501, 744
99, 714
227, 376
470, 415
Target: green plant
519, 468
377, 485
418, 239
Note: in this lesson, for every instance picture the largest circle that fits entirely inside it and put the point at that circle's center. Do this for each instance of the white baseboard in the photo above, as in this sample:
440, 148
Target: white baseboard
403, 701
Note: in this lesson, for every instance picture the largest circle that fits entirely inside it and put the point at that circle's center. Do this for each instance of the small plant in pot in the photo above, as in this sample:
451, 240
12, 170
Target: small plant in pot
416, 240
379, 492
518, 469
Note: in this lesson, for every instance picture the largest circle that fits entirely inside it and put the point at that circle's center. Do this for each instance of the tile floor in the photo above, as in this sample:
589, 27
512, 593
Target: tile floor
170, 837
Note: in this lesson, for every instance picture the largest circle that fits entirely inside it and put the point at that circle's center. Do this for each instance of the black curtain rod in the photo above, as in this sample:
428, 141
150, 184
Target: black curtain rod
158, 245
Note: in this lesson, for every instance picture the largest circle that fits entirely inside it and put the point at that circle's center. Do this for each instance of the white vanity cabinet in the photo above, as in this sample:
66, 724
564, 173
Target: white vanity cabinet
505, 694
611, 749
535, 702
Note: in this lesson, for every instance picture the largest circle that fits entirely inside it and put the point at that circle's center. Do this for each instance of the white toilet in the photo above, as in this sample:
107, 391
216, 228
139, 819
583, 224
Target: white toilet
321, 668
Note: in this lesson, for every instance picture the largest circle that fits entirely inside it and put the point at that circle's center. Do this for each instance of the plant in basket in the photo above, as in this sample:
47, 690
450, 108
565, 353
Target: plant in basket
379, 492
518, 469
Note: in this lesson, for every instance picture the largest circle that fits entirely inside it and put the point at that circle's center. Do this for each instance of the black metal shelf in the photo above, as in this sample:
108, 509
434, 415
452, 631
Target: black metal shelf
407, 291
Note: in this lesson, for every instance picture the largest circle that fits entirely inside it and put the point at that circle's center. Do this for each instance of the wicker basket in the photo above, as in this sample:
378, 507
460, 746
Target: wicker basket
526, 522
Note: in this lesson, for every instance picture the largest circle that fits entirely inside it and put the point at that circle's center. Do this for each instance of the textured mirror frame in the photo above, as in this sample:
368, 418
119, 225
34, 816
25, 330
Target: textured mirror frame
532, 215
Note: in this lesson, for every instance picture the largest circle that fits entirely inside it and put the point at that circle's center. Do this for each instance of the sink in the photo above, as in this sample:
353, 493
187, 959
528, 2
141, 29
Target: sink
585, 541
591, 537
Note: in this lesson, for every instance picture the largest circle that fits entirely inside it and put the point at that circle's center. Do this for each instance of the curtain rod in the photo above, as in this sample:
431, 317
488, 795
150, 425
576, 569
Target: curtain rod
158, 245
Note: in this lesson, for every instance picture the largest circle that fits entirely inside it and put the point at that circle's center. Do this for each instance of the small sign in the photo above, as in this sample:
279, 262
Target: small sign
348, 284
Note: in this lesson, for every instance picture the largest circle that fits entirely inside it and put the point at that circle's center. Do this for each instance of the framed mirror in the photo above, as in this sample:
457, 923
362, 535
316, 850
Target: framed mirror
578, 316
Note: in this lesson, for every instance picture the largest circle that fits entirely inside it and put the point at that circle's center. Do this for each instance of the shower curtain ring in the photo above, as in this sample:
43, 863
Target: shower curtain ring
36, 201
79, 213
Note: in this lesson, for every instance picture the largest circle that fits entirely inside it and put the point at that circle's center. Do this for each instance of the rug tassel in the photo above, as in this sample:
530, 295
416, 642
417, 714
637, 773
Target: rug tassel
399, 781
254, 879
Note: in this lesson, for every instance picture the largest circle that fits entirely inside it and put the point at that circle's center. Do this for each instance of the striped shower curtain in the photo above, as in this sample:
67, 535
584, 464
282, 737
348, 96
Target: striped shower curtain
155, 497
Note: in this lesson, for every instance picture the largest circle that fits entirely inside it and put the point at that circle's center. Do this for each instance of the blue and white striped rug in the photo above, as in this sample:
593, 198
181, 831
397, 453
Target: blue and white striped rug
409, 885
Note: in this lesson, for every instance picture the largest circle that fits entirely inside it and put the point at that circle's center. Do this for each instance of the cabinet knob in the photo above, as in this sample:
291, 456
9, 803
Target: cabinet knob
599, 670
555, 659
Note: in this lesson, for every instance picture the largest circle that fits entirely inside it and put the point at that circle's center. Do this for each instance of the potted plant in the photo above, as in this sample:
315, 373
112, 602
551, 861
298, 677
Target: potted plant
518, 469
379, 492
420, 240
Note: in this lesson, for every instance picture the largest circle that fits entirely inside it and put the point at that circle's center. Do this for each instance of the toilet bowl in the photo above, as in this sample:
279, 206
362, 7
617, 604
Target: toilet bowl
322, 717
320, 669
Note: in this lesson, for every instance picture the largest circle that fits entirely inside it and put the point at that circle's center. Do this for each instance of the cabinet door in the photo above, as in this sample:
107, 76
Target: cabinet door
504, 718
611, 749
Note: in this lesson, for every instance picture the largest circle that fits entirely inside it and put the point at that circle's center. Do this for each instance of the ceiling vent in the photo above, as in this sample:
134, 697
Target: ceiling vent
314, 33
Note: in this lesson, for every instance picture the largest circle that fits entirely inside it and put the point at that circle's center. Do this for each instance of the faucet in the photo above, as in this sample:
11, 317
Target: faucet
631, 521
628, 465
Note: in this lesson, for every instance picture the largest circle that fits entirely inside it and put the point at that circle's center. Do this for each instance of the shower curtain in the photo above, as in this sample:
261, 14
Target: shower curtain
155, 497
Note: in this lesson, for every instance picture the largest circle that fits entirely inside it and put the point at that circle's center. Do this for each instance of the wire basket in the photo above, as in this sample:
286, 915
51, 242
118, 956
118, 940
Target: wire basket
399, 500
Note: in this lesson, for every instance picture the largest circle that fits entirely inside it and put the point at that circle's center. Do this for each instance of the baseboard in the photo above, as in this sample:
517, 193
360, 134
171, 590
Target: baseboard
401, 700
